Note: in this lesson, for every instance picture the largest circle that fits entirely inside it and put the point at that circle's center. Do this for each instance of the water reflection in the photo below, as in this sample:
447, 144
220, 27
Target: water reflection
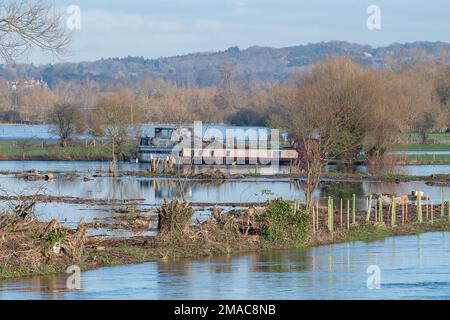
90, 167
151, 193
49, 287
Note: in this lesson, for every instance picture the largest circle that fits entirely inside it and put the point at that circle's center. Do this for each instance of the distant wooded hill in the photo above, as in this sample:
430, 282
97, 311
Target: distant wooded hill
201, 69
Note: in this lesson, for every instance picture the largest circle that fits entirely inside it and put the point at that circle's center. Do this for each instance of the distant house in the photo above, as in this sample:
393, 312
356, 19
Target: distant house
26, 84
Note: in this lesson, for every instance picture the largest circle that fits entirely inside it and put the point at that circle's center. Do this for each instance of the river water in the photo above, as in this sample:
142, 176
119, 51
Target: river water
416, 267
411, 267
153, 191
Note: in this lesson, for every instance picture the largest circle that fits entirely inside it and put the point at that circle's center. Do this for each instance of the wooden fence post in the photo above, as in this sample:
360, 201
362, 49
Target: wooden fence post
432, 213
375, 209
314, 219
393, 213
369, 208
317, 216
406, 210
380, 207
403, 211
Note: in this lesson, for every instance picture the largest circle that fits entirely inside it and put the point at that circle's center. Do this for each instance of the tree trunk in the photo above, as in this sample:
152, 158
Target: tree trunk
112, 168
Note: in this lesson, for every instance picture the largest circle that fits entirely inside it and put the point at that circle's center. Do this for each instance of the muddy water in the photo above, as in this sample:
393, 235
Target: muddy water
412, 267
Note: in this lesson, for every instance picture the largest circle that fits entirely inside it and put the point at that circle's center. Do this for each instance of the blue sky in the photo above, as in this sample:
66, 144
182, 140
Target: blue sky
155, 28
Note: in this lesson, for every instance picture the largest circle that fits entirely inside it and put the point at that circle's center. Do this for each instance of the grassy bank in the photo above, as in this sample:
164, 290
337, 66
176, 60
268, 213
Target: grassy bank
421, 147
110, 253
28, 151
440, 142
428, 159
26, 249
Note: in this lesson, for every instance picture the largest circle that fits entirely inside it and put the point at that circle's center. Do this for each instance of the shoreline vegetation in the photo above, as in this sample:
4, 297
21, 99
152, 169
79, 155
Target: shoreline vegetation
31, 248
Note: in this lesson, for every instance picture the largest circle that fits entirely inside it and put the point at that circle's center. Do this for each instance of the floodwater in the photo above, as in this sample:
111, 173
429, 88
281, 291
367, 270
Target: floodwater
103, 166
151, 192
416, 267
411, 267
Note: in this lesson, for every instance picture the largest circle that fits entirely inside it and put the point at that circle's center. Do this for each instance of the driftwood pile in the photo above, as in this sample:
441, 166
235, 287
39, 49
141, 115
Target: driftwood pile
26, 243
20, 217
167, 165
34, 175
175, 217
243, 220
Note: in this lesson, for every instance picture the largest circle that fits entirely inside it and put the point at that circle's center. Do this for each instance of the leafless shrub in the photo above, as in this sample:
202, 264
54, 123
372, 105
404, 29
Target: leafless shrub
174, 217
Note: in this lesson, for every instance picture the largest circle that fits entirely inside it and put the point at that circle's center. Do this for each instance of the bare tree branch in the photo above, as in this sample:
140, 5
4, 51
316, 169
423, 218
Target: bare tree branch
25, 24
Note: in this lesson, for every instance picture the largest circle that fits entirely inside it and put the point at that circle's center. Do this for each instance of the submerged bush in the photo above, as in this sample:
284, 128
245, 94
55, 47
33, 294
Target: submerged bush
54, 237
281, 224
174, 216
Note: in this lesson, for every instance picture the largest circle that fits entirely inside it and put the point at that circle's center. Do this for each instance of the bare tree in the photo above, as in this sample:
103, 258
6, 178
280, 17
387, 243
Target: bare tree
111, 119
425, 124
228, 95
327, 112
65, 117
25, 24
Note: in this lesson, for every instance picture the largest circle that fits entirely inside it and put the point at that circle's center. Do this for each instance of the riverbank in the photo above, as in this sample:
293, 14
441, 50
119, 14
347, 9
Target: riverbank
38, 248
416, 153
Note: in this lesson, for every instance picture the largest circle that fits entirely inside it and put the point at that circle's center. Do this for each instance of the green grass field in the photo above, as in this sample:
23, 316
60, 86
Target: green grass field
430, 159
440, 141
421, 147
425, 158
37, 151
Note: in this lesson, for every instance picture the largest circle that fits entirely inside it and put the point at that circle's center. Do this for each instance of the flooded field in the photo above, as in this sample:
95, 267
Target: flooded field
412, 267
92, 183
99, 166
84, 190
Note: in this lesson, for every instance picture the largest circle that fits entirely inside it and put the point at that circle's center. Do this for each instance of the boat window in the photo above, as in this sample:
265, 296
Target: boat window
163, 132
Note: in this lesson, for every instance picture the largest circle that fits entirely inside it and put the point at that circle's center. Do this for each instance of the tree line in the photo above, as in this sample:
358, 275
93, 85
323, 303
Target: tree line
366, 108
